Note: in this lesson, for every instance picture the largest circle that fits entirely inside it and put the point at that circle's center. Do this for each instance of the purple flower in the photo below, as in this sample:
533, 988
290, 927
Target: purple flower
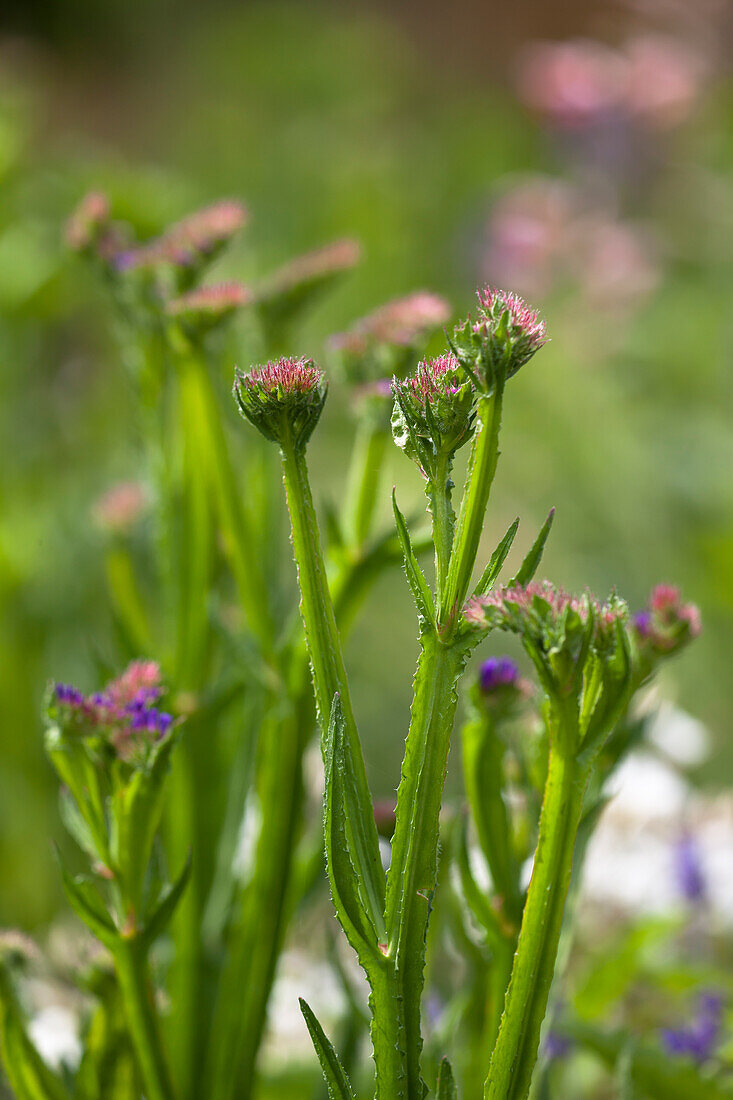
68, 696
699, 1039
122, 714
688, 869
498, 672
556, 1046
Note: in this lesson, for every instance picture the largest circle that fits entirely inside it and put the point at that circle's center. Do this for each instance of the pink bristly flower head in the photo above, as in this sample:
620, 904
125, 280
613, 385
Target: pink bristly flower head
387, 340
283, 399
207, 229
503, 337
434, 410
190, 243
88, 223
119, 508
522, 318
308, 272
572, 640
546, 613
666, 623
407, 321
206, 306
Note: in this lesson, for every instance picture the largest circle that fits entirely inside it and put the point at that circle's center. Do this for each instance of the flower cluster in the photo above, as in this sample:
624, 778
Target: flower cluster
547, 612
505, 335
434, 410
310, 268
382, 342
283, 399
188, 243
205, 306
666, 623
88, 223
123, 715
577, 644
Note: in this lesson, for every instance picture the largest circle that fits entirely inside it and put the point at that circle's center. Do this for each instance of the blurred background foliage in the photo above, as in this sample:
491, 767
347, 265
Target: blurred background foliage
456, 152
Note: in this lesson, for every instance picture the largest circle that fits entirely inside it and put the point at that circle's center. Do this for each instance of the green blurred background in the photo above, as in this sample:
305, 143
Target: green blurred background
595, 180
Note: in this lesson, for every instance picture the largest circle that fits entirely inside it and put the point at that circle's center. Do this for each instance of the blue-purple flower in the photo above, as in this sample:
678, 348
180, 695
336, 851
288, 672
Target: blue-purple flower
123, 715
699, 1039
688, 869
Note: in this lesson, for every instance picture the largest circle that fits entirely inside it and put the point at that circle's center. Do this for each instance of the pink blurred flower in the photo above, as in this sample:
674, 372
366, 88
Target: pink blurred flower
664, 79
572, 83
118, 509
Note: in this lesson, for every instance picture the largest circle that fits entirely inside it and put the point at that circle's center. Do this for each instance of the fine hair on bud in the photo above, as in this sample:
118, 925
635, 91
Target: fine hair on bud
283, 399
503, 336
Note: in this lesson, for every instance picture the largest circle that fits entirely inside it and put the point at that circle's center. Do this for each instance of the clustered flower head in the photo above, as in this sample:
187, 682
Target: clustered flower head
666, 623
558, 628
577, 644
283, 399
88, 223
311, 267
205, 306
504, 336
189, 242
382, 341
434, 409
123, 715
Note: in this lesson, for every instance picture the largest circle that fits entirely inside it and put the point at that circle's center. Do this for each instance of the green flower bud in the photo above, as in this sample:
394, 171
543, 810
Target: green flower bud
283, 399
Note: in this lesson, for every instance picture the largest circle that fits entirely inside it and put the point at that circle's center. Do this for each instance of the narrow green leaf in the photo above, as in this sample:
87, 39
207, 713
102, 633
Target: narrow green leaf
530, 565
445, 1088
86, 902
347, 848
475, 898
334, 1074
415, 577
75, 824
158, 922
492, 570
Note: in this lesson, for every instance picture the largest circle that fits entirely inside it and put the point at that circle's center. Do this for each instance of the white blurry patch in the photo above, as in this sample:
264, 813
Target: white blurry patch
682, 738
301, 975
645, 787
385, 853
249, 834
631, 859
53, 1031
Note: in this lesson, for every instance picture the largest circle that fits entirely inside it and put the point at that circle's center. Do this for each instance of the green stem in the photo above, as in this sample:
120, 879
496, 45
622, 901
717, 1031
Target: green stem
239, 542
321, 632
413, 868
481, 471
515, 1052
363, 484
142, 1020
439, 489
483, 756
